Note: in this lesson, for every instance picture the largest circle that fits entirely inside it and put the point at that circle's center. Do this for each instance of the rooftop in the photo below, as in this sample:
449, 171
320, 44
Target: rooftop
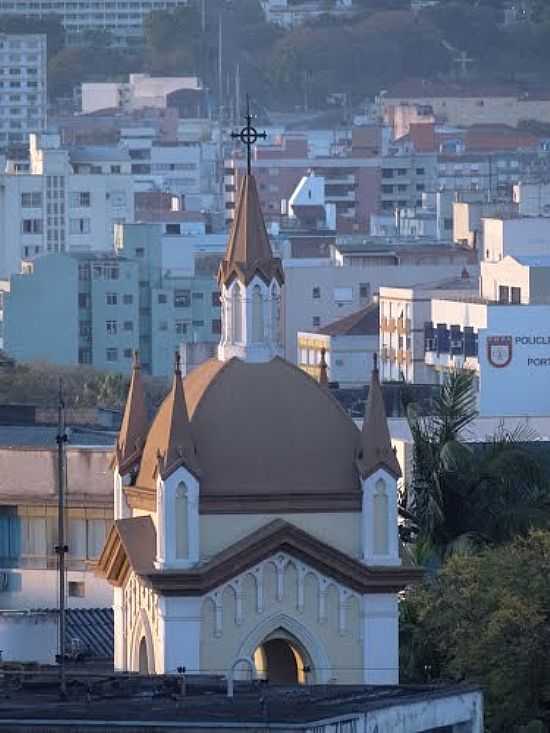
362, 323
93, 153
43, 436
156, 701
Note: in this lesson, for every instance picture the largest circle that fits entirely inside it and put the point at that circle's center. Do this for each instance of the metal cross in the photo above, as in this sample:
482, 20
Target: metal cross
248, 135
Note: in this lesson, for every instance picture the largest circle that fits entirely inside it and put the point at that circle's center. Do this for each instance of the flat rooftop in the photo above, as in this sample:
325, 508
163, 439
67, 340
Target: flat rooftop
156, 702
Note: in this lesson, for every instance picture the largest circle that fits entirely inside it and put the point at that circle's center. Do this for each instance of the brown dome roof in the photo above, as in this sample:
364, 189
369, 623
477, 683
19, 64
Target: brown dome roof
266, 429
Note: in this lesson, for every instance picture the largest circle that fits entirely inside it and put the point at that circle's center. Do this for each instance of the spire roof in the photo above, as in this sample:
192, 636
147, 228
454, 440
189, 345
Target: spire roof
375, 447
323, 374
170, 442
133, 430
249, 251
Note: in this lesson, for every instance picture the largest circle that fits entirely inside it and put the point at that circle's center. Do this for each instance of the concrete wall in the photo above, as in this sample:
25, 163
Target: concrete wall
41, 312
26, 638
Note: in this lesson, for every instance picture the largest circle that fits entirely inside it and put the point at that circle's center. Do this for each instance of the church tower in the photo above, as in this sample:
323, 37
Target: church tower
250, 280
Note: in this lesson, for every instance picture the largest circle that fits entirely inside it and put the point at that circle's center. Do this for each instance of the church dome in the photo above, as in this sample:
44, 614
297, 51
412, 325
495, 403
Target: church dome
265, 430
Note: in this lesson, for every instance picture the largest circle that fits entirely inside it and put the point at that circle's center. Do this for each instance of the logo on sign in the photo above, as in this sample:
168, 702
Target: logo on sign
499, 350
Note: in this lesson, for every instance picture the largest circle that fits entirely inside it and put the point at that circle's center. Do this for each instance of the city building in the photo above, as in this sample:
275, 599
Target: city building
290, 14
23, 101
255, 523
150, 293
347, 347
122, 21
140, 91
497, 331
62, 204
28, 535
326, 288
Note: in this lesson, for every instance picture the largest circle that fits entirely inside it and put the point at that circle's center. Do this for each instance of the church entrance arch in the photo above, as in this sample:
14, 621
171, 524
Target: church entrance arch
286, 652
142, 657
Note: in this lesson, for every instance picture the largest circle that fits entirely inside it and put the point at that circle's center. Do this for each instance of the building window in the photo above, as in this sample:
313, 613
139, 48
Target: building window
77, 589
31, 226
316, 321
162, 298
237, 313
127, 299
503, 294
198, 296
112, 354
181, 328
163, 325
316, 293
364, 291
111, 328
80, 199
216, 325
31, 200
257, 315
128, 353
79, 226
182, 298
173, 229
381, 534
83, 300
10, 534
216, 301
111, 298
140, 252
515, 296
128, 325
85, 329
115, 169
198, 324
84, 356
420, 171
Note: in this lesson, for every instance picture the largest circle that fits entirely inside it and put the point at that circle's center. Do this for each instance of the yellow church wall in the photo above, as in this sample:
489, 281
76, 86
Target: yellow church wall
341, 530
232, 620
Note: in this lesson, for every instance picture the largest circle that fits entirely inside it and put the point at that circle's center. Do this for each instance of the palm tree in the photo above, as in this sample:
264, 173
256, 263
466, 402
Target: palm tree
464, 495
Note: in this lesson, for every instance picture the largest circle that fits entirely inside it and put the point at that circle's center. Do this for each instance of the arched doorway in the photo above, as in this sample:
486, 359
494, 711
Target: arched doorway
143, 657
281, 660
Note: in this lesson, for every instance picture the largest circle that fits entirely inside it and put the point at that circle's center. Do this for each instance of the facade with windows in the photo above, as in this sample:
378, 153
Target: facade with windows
23, 92
61, 203
97, 308
122, 19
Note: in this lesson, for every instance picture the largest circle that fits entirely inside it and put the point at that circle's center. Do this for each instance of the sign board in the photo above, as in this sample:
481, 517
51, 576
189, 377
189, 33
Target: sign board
514, 361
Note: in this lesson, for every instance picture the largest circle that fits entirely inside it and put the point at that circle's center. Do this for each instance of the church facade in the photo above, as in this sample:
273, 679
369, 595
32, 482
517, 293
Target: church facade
256, 527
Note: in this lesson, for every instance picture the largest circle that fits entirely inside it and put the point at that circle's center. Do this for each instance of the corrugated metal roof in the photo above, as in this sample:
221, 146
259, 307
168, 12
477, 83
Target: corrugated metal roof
94, 627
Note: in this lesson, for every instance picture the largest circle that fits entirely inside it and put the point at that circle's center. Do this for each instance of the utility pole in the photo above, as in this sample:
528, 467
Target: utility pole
61, 548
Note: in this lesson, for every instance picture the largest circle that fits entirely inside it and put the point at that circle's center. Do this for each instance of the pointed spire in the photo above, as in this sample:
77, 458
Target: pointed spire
249, 250
323, 369
133, 430
170, 436
375, 446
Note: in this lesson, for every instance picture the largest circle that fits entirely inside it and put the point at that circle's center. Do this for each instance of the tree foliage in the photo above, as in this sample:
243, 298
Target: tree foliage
486, 619
465, 495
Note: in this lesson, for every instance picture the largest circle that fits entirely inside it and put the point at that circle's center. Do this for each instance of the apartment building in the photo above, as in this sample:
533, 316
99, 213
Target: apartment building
96, 308
23, 92
122, 19
139, 92
62, 203
290, 14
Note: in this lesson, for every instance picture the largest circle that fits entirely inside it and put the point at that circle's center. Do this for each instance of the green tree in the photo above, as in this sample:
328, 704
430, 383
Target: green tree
466, 495
486, 619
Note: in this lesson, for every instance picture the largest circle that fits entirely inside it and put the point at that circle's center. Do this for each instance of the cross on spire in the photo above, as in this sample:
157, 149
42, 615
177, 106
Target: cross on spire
248, 135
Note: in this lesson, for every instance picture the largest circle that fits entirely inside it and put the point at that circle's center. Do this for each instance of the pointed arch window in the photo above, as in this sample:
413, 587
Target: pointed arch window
275, 315
237, 308
181, 514
257, 315
381, 530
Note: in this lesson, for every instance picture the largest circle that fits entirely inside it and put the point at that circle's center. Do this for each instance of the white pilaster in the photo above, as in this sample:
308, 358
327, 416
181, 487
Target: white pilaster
179, 634
119, 630
179, 485
380, 620
122, 510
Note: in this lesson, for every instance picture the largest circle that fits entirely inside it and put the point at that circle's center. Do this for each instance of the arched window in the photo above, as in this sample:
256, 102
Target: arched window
237, 308
257, 315
275, 315
381, 534
181, 519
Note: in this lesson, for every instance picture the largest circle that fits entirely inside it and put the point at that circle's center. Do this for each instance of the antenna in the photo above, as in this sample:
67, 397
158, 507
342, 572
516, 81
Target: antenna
61, 548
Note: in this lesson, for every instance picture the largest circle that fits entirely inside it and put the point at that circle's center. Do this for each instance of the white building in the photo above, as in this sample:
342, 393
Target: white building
60, 206
347, 345
500, 333
289, 14
123, 21
23, 97
139, 92
255, 524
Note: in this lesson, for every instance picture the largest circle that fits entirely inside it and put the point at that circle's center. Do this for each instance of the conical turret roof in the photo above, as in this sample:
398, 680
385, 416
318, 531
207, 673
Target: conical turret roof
375, 448
170, 442
133, 430
249, 250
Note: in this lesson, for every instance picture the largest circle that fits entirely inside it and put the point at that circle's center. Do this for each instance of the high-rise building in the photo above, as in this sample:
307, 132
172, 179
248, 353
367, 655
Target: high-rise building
123, 20
23, 98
